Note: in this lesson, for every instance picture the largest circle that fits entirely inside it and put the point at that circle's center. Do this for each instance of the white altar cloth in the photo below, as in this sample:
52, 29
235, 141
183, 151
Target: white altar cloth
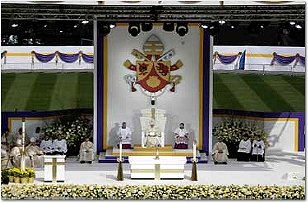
166, 167
54, 168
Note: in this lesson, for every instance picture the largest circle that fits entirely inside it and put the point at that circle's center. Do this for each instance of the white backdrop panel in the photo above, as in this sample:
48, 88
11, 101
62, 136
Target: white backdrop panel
124, 105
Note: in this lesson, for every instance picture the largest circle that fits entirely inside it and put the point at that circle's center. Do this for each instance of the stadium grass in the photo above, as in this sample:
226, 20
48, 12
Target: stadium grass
57, 91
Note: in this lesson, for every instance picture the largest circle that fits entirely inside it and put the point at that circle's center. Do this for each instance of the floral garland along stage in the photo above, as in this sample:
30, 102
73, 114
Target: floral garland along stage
154, 192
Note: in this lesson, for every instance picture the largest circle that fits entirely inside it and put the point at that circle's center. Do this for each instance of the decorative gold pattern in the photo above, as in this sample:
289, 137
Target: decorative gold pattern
153, 81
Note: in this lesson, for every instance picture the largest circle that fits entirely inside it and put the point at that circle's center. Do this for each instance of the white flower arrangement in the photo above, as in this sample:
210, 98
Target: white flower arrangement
154, 192
74, 131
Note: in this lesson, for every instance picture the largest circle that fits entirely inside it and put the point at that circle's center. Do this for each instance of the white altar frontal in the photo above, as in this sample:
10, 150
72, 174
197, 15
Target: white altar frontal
54, 168
166, 167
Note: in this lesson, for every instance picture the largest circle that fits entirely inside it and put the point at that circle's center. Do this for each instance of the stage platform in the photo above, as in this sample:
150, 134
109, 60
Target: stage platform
111, 155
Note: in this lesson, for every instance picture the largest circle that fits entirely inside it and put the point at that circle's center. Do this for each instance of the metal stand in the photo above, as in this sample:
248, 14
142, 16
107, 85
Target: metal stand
194, 176
120, 170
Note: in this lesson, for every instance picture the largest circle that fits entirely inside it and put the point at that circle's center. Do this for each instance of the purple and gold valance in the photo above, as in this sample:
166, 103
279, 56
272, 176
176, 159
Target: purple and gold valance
87, 58
226, 59
67, 58
44, 58
286, 60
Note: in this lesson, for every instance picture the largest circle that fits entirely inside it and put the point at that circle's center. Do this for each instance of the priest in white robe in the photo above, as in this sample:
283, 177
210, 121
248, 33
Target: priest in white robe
220, 152
37, 135
243, 153
47, 145
152, 135
258, 149
35, 153
86, 152
59, 146
5, 156
15, 155
125, 134
18, 135
181, 137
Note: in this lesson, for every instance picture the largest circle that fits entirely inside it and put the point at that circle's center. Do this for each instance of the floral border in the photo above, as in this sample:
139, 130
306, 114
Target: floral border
153, 192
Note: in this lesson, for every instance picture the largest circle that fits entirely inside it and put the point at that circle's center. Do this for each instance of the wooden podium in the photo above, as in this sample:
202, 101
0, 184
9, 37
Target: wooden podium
54, 168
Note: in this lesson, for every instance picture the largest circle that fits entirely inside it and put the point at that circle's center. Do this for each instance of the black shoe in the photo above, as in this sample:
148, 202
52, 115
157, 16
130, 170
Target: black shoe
82, 162
225, 163
89, 162
215, 162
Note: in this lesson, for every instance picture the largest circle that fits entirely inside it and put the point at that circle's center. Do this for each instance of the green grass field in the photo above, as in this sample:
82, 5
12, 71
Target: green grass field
57, 91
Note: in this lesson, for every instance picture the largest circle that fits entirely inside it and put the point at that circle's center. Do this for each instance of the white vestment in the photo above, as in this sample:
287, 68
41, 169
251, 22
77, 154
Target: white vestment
259, 148
15, 154
37, 136
86, 151
35, 154
180, 136
220, 152
59, 146
5, 158
47, 146
125, 135
152, 137
245, 146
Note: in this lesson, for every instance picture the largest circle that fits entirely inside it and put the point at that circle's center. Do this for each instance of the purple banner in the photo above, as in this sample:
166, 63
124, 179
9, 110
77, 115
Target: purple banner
301, 59
283, 60
3, 54
226, 59
68, 58
44, 58
87, 58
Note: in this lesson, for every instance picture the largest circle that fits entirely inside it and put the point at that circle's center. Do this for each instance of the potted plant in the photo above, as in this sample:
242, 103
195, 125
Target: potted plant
16, 174
5, 176
11, 175
31, 174
24, 176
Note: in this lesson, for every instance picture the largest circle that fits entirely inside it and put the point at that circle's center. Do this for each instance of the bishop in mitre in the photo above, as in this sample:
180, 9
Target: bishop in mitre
152, 135
5, 156
220, 152
125, 134
35, 153
86, 152
16, 153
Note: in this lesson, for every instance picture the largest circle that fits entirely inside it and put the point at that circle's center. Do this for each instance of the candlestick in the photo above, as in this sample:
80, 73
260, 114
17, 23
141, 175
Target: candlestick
22, 163
121, 150
194, 151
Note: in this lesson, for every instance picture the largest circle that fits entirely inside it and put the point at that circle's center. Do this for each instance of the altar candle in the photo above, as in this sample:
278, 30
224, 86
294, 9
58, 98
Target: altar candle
121, 150
194, 151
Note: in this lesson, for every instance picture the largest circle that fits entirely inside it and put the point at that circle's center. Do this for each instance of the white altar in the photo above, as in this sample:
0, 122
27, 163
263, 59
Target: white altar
166, 167
159, 118
54, 168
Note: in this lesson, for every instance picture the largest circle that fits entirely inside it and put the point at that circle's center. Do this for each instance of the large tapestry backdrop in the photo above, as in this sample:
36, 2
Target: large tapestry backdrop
123, 104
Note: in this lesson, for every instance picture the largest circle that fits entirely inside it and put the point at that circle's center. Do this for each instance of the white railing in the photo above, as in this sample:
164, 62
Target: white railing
60, 66
261, 68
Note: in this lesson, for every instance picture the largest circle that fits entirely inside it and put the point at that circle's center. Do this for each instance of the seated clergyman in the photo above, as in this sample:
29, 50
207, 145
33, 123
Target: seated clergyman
59, 146
125, 134
181, 137
152, 135
5, 156
46, 145
86, 151
258, 148
35, 153
16, 153
220, 152
243, 153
